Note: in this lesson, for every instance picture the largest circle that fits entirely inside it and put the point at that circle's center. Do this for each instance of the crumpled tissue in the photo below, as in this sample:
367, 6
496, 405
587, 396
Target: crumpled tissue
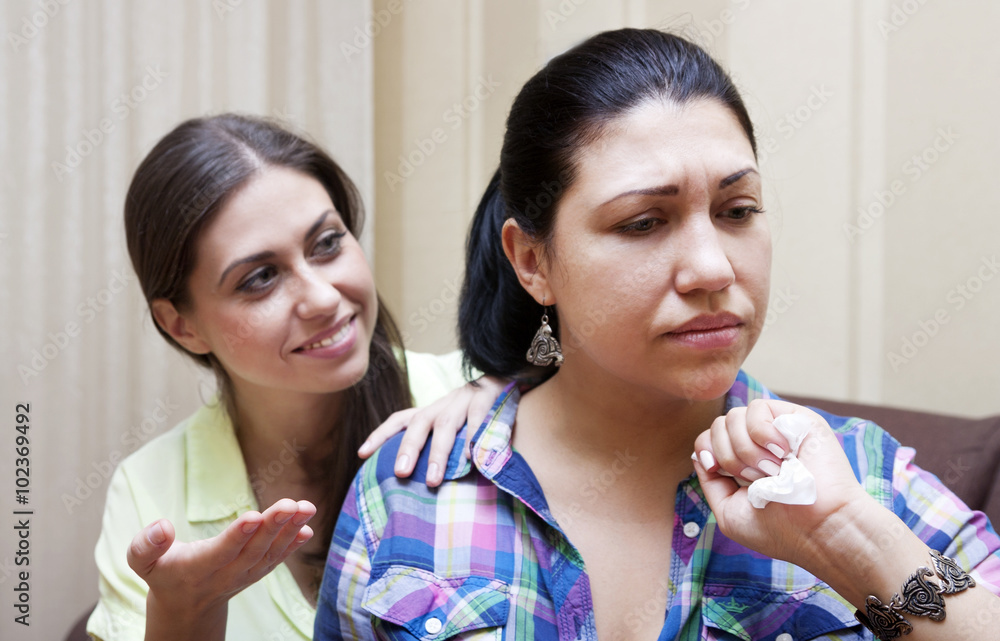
794, 485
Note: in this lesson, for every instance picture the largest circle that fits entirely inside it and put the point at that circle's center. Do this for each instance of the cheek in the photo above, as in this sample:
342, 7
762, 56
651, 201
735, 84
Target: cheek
242, 331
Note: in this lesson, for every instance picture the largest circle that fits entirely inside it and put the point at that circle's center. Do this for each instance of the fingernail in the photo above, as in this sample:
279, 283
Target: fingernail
365, 447
773, 448
301, 518
282, 517
402, 464
156, 535
250, 528
432, 472
751, 474
769, 467
694, 457
707, 460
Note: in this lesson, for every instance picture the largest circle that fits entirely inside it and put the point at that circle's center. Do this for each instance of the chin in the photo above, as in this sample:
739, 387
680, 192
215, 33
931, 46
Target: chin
708, 383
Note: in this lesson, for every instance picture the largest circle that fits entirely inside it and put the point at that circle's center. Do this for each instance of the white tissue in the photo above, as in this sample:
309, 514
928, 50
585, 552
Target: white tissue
794, 485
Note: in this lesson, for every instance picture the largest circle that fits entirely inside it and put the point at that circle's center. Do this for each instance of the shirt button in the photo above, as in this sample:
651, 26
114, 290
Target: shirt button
784, 637
433, 625
691, 530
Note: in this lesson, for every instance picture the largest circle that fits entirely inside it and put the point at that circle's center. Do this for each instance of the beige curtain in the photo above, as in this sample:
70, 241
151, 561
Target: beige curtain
87, 88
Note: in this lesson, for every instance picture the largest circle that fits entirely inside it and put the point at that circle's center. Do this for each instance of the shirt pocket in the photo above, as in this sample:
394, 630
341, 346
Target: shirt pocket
410, 603
751, 614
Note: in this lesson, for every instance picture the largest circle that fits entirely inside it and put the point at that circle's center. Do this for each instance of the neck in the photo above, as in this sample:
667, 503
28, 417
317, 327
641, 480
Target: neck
598, 421
276, 428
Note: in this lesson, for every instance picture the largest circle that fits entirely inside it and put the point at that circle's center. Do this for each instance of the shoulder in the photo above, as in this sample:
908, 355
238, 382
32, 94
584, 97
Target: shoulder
432, 376
169, 448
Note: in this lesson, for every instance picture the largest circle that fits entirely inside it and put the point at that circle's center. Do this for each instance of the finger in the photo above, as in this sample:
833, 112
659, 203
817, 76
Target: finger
760, 425
227, 546
149, 545
446, 428
414, 439
756, 461
396, 422
289, 538
703, 449
273, 521
718, 489
722, 446
483, 399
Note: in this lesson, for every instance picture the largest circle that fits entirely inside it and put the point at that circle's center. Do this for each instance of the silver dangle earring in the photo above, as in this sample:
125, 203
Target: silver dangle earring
545, 348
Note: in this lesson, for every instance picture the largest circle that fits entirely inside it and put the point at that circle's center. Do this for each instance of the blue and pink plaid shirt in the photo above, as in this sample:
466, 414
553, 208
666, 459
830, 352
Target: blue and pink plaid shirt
482, 556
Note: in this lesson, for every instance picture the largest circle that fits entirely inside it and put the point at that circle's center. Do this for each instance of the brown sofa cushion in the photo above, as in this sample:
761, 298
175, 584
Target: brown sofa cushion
964, 453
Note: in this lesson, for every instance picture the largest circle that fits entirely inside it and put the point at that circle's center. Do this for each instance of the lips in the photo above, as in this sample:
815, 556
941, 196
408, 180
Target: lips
708, 332
709, 322
327, 337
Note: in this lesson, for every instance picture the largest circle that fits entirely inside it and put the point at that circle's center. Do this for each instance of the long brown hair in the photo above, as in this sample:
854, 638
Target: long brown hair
179, 188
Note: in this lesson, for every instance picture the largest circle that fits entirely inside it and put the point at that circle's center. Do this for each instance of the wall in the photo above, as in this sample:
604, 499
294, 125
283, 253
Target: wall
876, 147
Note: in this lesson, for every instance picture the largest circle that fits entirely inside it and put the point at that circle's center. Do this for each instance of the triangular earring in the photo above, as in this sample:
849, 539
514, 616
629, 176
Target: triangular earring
545, 348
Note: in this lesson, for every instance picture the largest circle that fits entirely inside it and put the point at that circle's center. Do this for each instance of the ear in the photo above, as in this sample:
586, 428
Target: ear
179, 327
527, 257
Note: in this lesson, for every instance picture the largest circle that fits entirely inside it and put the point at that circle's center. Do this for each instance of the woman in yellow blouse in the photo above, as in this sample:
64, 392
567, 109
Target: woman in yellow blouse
243, 237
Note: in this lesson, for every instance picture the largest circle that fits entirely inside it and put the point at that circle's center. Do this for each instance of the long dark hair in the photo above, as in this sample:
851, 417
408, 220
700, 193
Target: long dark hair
562, 108
180, 187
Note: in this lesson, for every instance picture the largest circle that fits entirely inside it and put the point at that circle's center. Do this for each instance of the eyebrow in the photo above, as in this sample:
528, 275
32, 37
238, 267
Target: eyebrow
673, 190
264, 255
729, 180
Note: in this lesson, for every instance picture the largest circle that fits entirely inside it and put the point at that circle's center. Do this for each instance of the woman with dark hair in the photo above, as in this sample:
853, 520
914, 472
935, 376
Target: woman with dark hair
622, 245
243, 238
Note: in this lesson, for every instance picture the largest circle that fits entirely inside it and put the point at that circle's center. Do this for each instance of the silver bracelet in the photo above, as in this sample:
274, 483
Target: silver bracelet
921, 597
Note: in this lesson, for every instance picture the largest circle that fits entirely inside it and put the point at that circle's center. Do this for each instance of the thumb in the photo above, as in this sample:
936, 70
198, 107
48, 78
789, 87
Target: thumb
149, 545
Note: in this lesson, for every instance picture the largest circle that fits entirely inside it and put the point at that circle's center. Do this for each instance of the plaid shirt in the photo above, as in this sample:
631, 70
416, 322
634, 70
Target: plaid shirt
482, 557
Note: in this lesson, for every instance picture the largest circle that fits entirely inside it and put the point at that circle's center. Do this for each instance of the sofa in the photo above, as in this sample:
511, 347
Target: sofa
964, 453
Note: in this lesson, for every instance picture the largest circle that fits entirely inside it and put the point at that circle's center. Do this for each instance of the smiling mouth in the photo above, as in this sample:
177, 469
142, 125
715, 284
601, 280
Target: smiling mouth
331, 340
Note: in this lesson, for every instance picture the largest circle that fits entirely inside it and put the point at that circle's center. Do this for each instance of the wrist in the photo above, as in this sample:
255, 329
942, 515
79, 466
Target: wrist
165, 619
865, 549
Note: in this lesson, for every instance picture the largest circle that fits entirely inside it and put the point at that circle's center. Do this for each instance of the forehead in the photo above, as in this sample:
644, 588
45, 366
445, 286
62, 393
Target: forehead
276, 206
659, 143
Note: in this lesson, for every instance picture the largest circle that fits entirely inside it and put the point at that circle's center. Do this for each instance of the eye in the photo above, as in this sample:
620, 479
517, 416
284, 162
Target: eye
640, 227
258, 280
329, 243
742, 213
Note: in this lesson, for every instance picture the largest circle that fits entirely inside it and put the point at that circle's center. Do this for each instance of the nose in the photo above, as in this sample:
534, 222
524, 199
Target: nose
704, 264
316, 294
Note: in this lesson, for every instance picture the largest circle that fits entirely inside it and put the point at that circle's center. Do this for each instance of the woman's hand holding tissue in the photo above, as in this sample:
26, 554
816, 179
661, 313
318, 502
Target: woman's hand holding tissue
807, 503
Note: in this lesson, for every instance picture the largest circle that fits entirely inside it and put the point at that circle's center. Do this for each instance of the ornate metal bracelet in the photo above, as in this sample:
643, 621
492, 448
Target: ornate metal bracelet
921, 597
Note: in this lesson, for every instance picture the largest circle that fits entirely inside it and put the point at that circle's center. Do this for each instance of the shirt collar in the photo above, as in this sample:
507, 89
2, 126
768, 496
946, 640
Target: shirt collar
217, 483
491, 443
